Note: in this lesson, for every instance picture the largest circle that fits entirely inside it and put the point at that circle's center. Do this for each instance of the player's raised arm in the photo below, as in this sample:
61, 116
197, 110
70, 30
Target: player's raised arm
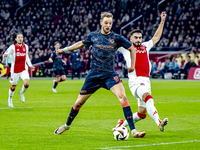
159, 31
133, 58
75, 46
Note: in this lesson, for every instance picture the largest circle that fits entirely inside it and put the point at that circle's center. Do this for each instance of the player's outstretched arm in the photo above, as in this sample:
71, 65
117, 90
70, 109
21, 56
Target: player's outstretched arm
133, 58
159, 31
75, 46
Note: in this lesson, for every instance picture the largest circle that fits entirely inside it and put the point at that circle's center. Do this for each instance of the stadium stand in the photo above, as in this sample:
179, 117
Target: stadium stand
45, 21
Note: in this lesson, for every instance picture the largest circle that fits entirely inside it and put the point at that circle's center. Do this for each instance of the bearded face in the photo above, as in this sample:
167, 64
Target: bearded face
136, 39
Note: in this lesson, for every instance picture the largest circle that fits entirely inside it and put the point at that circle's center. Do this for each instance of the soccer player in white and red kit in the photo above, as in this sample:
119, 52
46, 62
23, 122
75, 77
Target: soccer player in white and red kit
19, 68
139, 82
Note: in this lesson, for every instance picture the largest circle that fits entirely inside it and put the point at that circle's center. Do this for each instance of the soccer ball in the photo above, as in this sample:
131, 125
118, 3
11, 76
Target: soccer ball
121, 133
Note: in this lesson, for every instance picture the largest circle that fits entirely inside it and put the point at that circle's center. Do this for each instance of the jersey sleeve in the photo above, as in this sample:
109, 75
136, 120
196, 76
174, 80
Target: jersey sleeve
10, 50
148, 45
52, 56
126, 54
27, 57
124, 42
88, 39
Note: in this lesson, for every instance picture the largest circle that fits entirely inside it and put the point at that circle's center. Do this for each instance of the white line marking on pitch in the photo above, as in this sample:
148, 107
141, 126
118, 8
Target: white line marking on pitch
118, 147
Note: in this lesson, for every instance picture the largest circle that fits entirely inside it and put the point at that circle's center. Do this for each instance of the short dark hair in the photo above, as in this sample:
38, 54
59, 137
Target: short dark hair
56, 42
136, 31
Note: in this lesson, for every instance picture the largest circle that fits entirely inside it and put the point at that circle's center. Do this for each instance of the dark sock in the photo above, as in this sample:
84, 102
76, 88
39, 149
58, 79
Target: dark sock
128, 115
73, 113
55, 84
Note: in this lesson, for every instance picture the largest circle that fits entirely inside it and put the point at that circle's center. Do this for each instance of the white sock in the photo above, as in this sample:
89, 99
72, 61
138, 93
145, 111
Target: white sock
152, 111
136, 118
11, 93
23, 89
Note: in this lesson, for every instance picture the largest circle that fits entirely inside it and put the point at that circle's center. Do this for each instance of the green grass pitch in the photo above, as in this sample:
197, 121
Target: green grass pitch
30, 125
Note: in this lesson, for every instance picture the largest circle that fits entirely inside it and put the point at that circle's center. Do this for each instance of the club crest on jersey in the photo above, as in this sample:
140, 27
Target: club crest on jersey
17, 49
94, 39
112, 41
23, 49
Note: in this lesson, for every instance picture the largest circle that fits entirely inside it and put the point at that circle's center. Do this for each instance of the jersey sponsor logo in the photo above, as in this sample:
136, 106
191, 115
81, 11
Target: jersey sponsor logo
141, 51
59, 56
197, 73
20, 54
112, 41
142, 84
106, 47
116, 78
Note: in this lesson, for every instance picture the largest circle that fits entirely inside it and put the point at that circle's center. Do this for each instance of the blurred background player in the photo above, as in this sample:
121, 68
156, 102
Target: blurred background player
8, 63
139, 82
102, 74
58, 68
19, 68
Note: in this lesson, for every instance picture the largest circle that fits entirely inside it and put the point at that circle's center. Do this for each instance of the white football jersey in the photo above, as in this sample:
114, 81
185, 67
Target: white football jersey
19, 57
142, 63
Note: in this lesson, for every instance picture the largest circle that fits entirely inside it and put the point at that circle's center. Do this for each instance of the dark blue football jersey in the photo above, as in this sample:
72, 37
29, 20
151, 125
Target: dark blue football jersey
57, 60
104, 48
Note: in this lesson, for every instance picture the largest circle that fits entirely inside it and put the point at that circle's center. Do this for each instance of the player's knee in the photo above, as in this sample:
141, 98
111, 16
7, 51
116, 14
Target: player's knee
63, 78
26, 85
141, 91
145, 95
122, 98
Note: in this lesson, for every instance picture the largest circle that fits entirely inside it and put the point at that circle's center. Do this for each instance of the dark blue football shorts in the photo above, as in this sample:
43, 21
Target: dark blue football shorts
96, 80
58, 72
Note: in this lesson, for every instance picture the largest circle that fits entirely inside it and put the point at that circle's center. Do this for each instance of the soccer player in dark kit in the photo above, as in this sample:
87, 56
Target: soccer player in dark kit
57, 66
102, 74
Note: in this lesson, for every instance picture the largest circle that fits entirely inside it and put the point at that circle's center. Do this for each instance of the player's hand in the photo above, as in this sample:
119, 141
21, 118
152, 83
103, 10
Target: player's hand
131, 69
5, 55
60, 51
163, 16
32, 68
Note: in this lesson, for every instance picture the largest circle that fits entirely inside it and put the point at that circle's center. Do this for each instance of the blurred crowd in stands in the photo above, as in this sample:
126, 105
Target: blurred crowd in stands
43, 22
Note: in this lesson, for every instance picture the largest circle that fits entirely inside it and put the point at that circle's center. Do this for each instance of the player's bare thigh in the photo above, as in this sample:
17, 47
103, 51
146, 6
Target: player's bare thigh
119, 92
81, 99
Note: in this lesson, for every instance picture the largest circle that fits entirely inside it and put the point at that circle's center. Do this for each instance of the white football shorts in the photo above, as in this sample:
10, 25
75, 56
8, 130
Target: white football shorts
15, 76
141, 83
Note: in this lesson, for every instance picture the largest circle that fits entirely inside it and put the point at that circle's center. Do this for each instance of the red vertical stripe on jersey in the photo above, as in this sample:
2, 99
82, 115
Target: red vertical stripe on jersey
20, 58
142, 67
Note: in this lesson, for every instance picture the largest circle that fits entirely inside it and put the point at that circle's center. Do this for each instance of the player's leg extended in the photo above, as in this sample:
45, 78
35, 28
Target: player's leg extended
24, 88
143, 93
63, 78
137, 116
73, 113
13, 80
119, 92
11, 93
